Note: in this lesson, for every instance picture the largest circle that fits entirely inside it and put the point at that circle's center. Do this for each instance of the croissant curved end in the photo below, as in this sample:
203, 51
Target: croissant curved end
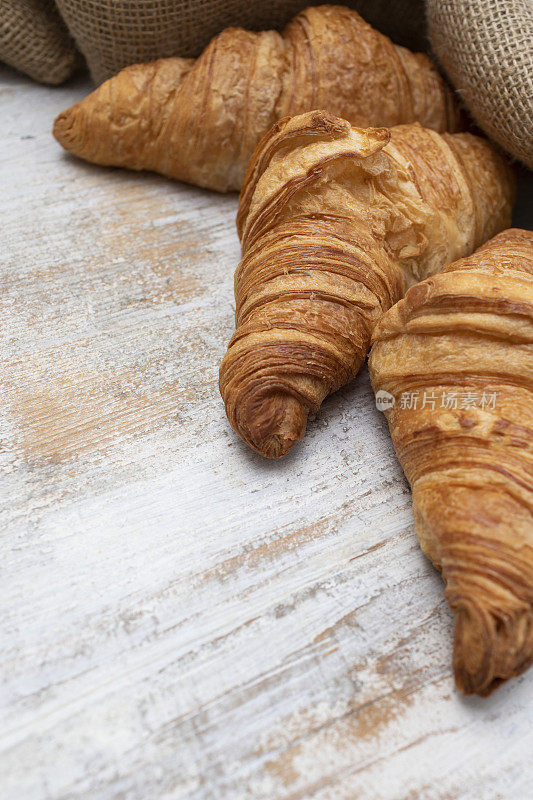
64, 127
489, 650
273, 426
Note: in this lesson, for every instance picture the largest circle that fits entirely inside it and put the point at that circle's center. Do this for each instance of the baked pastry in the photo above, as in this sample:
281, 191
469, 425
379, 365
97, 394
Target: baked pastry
456, 354
200, 120
335, 223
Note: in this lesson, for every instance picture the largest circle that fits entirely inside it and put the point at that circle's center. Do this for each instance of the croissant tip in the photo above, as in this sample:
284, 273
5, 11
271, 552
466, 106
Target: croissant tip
275, 425
490, 649
276, 445
63, 126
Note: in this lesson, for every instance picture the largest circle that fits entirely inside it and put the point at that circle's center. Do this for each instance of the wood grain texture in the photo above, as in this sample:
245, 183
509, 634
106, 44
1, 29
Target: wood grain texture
180, 618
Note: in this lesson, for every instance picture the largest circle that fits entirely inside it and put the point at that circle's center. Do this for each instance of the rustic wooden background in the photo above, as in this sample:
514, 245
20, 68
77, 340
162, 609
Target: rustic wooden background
180, 618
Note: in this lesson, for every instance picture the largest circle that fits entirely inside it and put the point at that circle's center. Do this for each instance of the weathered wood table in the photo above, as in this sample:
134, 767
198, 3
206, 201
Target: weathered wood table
181, 618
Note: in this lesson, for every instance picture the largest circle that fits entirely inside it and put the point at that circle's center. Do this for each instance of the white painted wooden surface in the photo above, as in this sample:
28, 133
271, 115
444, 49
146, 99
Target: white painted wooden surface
180, 618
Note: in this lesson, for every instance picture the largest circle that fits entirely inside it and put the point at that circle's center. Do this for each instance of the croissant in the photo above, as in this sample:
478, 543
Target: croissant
200, 120
335, 223
456, 357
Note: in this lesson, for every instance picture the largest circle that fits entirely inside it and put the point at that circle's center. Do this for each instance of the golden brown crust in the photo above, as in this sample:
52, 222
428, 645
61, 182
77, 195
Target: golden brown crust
335, 222
199, 121
469, 331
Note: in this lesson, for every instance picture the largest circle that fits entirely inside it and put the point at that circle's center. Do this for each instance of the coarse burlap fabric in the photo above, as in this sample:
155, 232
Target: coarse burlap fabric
112, 34
486, 48
34, 40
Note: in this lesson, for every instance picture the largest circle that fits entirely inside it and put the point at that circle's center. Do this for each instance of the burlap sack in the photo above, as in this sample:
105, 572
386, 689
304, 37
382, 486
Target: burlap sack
114, 33
34, 40
486, 48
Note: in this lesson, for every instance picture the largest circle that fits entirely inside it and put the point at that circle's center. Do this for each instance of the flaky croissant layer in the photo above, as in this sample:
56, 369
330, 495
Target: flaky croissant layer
456, 354
200, 120
335, 223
